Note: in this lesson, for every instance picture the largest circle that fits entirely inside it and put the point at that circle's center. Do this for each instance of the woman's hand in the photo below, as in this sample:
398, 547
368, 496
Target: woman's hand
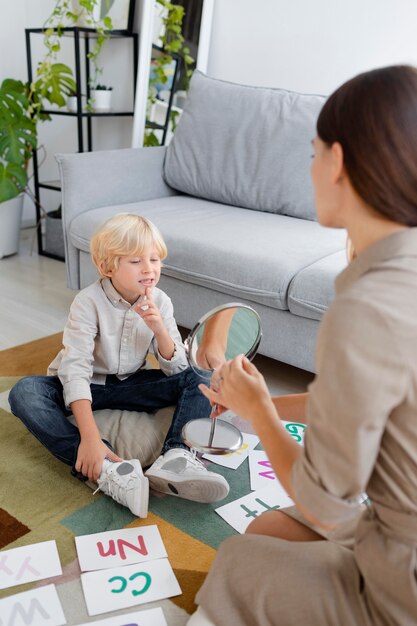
210, 355
240, 387
90, 457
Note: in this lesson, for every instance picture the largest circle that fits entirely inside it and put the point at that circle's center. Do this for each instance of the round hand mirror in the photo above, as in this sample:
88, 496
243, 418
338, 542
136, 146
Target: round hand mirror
220, 335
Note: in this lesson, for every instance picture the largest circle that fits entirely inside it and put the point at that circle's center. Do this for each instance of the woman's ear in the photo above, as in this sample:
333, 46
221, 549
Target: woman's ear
338, 166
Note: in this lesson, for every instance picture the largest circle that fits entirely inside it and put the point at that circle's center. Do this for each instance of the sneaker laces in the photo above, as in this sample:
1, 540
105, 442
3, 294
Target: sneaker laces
191, 456
113, 488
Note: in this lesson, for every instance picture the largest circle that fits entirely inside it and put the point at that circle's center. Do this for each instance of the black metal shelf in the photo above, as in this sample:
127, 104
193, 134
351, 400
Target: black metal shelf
81, 37
55, 185
84, 113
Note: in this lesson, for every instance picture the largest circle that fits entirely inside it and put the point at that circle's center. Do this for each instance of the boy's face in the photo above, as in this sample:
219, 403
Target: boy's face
136, 274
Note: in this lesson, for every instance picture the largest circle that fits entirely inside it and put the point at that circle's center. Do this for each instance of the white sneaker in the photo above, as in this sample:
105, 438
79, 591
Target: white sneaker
179, 473
126, 484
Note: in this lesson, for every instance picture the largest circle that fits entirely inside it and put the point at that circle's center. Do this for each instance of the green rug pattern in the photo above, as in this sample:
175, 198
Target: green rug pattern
40, 500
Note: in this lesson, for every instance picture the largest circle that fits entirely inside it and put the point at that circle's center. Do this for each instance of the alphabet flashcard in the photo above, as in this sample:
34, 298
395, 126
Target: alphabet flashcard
234, 459
260, 470
29, 563
296, 430
149, 617
241, 512
118, 588
119, 547
38, 607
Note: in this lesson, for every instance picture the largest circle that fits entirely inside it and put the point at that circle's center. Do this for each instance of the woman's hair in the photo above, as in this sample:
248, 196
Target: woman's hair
374, 118
125, 234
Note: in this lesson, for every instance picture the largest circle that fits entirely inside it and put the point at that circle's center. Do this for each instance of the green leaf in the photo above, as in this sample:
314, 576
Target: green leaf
17, 129
12, 181
55, 85
150, 140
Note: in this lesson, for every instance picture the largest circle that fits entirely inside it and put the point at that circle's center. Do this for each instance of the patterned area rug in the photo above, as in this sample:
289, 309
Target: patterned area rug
40, 500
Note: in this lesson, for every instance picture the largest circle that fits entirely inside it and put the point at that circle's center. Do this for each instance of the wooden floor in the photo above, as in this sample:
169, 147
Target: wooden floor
34, 303
34, 298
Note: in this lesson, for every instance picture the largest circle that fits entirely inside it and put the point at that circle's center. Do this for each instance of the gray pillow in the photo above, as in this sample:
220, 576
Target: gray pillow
245, 146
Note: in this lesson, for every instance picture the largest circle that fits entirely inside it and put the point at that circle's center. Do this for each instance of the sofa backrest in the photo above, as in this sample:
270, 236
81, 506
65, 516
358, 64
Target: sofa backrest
245, 146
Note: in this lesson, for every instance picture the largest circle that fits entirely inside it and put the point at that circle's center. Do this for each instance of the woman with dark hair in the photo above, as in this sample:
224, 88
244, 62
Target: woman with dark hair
331, 560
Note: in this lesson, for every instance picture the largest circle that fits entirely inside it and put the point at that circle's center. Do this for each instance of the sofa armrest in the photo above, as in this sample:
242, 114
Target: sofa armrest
90, 180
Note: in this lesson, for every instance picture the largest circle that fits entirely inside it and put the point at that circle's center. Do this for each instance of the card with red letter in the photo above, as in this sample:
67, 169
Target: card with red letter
119, 547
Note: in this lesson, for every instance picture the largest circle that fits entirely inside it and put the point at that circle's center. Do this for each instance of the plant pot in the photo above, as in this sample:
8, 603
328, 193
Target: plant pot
54, 236
101, 99
72, 103
10, 223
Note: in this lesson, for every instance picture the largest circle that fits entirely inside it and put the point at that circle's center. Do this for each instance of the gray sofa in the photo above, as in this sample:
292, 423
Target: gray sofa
233, 199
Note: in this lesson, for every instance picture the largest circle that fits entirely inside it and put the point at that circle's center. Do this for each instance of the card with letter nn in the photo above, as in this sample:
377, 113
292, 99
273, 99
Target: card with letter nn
119, 547
111, 589
149, 617
241, 512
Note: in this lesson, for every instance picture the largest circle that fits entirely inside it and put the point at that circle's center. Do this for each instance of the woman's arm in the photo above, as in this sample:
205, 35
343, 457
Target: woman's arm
239, 386
293, 407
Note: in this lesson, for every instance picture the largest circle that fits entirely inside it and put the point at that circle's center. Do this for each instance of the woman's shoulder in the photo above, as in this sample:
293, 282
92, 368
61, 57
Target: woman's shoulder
377, 307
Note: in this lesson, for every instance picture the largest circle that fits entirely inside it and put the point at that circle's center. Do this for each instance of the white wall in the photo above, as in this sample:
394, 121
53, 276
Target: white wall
305, 45
309, 45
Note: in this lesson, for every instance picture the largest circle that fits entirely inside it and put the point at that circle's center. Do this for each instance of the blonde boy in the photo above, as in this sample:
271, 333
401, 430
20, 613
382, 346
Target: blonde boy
112, 326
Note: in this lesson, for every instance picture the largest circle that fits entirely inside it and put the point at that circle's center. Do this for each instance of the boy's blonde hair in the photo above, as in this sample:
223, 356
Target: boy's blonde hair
124, 234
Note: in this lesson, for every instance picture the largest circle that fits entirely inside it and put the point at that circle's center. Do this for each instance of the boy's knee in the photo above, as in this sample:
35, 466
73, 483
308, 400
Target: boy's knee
23, 392
192, 379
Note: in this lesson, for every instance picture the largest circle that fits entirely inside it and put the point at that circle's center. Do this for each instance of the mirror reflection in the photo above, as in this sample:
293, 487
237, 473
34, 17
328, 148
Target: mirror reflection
220, 335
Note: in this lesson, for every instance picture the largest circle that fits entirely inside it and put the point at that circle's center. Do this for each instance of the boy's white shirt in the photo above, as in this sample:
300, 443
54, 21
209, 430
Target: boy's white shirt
104, 335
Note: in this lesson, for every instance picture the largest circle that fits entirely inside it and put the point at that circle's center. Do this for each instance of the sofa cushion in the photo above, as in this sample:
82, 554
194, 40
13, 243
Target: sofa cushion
245, 146
312, 290
246, 254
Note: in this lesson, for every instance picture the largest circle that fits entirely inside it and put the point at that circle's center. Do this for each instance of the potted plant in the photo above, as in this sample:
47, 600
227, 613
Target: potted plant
21, 108
101, 97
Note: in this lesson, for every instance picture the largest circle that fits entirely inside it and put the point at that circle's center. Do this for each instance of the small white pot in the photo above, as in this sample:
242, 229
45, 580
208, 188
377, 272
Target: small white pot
101, 99
10, 223
72, 104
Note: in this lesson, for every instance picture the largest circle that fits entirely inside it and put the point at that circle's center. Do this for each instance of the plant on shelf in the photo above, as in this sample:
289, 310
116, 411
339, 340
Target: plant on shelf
172, 41
22, 106
81, 13
100, 99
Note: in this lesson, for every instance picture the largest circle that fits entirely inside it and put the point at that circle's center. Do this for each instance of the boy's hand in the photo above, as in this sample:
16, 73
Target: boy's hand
150, 313
90, 457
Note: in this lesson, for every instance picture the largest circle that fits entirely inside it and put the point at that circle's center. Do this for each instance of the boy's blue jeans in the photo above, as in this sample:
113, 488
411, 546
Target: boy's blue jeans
38, 401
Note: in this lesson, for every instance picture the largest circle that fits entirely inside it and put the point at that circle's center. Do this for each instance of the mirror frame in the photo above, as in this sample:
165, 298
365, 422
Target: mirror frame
222, 307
